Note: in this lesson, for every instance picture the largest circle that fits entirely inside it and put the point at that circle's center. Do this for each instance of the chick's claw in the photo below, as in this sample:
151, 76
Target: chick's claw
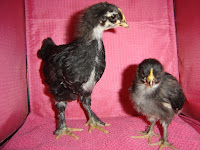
163, 144
67, 131
145, 134
96, 125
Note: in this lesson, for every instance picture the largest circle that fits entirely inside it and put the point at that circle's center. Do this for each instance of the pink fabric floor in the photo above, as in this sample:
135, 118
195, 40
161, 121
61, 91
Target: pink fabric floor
36, 134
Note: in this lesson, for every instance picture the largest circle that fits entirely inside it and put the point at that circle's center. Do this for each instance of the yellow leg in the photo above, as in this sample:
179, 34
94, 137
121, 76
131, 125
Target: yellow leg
145, 134
96, 125
68, 131
163, 145
94, 122
149, 133
163, 141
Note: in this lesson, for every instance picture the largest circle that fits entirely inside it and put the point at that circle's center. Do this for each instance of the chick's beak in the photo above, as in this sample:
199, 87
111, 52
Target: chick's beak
151, 78
123, 22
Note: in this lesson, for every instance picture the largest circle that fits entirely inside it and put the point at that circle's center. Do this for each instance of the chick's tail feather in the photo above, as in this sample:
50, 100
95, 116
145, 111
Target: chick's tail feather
46, 49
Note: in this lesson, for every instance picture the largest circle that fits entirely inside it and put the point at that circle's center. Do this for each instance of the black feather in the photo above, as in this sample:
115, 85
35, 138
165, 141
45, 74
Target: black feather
69, 66
46, 49
171, 91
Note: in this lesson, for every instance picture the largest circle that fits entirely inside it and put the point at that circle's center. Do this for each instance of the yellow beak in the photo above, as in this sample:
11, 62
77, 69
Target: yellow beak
151, 77
123, 23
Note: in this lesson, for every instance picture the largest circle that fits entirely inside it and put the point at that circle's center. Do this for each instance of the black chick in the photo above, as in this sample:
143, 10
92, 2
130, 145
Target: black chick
158, 96
72, 70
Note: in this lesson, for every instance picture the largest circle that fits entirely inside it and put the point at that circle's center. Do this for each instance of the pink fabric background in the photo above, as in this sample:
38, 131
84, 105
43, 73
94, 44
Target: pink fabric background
13, 96
151, 34
188, 31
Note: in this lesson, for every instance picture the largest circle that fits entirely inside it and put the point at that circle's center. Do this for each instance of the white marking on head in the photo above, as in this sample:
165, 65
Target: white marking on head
109, 14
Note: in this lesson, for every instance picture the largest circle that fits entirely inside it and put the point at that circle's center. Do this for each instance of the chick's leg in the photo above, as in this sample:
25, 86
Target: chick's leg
94, 122
163, 141
62, 128
149, 133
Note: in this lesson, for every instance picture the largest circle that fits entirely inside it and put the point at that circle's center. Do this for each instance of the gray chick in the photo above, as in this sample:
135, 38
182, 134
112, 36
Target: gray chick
158, 96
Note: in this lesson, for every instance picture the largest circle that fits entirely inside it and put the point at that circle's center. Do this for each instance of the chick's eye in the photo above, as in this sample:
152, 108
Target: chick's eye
158, 75
113, 16
142, 72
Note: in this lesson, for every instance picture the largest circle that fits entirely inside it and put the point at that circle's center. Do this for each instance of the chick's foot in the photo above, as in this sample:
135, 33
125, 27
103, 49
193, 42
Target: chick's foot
146, 134
67, 131
96, 124
163, 144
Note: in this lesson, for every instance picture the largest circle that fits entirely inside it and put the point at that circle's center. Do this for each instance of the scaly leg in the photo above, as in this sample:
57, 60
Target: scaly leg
62, 129
163, 141
149, 133
94, 121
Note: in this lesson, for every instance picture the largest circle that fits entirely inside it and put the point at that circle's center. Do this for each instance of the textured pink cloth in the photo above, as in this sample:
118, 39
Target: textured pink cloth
151, 34
36, 134
188, 31
13, 88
